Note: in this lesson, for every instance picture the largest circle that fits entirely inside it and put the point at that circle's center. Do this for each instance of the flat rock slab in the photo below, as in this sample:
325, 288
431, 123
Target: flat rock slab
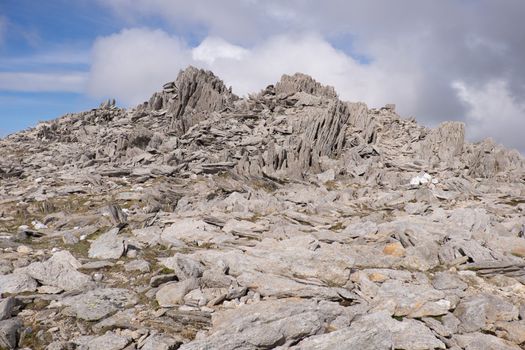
327, 264
269, 285
98, 303
108, 246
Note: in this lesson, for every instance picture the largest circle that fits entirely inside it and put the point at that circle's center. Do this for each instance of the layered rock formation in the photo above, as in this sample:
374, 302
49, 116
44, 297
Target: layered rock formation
288, 219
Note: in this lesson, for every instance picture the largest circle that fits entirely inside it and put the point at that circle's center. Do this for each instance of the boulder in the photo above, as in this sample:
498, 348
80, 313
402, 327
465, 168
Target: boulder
60, 271
109, 245
15, 283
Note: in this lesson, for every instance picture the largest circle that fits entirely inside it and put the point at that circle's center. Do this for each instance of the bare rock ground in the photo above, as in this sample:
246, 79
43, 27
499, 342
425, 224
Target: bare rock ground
287, 219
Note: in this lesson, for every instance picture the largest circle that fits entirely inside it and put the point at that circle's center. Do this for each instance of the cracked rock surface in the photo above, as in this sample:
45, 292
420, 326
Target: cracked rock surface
286, 219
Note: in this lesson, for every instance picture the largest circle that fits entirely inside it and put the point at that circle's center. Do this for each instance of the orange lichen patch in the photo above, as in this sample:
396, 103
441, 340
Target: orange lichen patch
377, 277
518, 251
394, 249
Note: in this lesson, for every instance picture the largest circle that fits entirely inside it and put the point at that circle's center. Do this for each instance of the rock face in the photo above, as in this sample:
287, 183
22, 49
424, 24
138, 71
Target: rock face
287, 219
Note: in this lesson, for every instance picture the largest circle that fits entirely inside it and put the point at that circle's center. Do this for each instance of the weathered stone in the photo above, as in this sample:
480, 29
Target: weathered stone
183, 266
137, 265
60, 271
477, 311
15, 283
188, 230
7, 308
266, 325
108, 341
10, 333
480, 341
447, 280
160, 342
289, 218
156, 281
122, 319
109, 245
98, 303
394, 249
412, 300
512, 331
172, 294
377, 331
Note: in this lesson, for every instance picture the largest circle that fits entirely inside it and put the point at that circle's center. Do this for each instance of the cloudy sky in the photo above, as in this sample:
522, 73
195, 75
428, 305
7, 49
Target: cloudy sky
436, 60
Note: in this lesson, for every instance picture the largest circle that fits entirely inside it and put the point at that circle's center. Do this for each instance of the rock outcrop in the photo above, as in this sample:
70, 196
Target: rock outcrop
286, 219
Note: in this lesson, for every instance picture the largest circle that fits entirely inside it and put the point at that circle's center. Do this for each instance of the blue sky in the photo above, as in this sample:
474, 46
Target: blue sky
445, 60
34, 31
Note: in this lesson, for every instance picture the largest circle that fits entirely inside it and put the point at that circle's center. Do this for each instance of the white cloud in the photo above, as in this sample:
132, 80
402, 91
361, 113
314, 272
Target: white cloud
310, 54
493, 111
43, 62
416, 50
213, 48
43, 82
134, 63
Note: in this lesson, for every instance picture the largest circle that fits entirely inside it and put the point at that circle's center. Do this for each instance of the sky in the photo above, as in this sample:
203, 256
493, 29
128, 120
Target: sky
436, 60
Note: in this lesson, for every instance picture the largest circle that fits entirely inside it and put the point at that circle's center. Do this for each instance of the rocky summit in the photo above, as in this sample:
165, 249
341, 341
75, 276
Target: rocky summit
287, 219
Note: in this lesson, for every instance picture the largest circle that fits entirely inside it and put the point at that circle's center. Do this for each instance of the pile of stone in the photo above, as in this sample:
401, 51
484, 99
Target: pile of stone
287, 219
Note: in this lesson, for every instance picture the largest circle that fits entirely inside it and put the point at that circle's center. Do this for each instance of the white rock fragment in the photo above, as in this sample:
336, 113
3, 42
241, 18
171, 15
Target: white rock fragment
421, 179
37, 225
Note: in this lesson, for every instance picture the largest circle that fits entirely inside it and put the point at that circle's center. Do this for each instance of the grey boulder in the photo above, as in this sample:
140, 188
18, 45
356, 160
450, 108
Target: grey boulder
15, 283
60, 271
10, 333
108, 246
